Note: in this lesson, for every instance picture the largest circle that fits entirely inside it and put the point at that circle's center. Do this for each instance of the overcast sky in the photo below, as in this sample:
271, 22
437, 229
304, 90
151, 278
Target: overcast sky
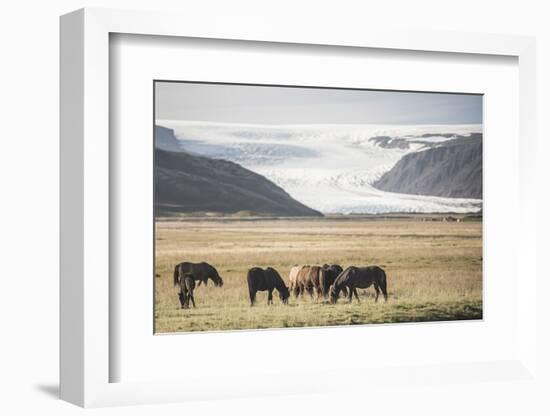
282, 105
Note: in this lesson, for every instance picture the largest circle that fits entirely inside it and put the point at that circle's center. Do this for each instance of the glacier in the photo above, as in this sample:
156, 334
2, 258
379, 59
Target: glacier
328, 167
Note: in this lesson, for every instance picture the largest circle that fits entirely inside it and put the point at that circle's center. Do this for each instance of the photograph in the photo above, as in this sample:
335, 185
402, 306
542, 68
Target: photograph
283, 206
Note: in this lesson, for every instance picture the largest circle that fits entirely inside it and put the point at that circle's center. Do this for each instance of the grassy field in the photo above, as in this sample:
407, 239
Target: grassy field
434, 270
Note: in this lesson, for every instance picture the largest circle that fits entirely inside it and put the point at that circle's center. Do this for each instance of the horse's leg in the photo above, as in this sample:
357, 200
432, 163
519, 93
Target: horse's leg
310, 291
181, 296
356, 295
270, 297
192, 299
252, 294
377, 289
319, 293
185, 300
198, 284
350, 294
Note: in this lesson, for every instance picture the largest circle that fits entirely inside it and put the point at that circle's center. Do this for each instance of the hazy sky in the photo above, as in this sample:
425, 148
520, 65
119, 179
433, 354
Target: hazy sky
282, 105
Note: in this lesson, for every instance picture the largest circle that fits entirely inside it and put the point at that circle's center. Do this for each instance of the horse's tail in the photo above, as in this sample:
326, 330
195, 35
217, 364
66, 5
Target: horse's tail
249, 278
176, 275
384, 284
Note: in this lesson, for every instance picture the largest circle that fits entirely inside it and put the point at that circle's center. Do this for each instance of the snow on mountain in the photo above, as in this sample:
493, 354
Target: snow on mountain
329, 168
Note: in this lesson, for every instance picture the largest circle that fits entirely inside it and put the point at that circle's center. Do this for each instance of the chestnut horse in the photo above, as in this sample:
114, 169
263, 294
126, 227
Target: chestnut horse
310, 279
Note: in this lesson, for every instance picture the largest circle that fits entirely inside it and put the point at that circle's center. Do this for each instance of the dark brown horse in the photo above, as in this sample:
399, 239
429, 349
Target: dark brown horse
362, 278
201, 271
268, 279
187, 286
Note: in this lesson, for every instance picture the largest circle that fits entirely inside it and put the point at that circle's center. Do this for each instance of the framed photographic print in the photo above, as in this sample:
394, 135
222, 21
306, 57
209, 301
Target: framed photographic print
237, 194
313, 195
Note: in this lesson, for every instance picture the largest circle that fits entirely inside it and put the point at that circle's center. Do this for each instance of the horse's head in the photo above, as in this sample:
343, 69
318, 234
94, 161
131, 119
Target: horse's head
181, 295
332, 294
218, 281
337, 269
284, 294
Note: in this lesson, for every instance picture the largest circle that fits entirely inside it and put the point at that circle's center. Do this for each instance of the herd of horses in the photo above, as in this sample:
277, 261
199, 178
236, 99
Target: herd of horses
327, 281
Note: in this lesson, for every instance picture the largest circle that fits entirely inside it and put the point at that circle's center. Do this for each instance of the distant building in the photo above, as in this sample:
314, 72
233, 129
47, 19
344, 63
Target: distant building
450, 218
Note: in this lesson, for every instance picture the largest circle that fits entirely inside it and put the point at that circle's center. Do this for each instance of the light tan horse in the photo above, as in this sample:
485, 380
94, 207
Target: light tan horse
292, 277
301, 280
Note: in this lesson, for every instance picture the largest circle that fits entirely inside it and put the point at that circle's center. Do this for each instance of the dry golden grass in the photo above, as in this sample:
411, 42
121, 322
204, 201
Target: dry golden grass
434, 270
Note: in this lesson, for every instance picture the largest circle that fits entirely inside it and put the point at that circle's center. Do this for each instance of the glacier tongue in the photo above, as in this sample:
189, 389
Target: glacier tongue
329, 168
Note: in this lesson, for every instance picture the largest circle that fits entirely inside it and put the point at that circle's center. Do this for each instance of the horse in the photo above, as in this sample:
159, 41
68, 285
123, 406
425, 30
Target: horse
269, 279
303, 282
293, 279
362, 278
332, 271
310, 279
315, 281
201, 272
187, 286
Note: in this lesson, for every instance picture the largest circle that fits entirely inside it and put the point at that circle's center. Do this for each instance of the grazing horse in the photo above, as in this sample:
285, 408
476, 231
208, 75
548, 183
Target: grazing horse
268, 279
187, 285
302, 282
315, 281
293, 285
359, 277
310, 279
332, 271
201, 271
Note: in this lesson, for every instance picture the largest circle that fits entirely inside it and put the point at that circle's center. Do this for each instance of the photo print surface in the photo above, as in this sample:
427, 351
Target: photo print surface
285, 206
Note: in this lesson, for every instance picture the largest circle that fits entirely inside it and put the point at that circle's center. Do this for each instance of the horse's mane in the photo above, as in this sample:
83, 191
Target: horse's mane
275, 274
279, 282
214, 272
176, 274
343, 277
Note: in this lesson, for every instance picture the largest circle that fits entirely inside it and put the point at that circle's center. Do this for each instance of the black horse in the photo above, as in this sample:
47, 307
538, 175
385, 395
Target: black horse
268, 279
187, 286
201, 272
362, 278
332, 271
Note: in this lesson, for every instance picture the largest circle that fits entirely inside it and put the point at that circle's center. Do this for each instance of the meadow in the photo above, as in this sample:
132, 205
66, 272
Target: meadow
434, 270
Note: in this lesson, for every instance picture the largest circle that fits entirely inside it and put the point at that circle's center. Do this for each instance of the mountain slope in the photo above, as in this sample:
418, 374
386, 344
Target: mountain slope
452, 169
166, 140
190, 183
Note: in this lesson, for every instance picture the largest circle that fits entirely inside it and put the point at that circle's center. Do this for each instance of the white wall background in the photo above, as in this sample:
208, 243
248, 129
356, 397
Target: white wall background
29, 57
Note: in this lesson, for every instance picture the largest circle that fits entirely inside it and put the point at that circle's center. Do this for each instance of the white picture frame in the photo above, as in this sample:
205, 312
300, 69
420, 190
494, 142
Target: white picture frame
86, 356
